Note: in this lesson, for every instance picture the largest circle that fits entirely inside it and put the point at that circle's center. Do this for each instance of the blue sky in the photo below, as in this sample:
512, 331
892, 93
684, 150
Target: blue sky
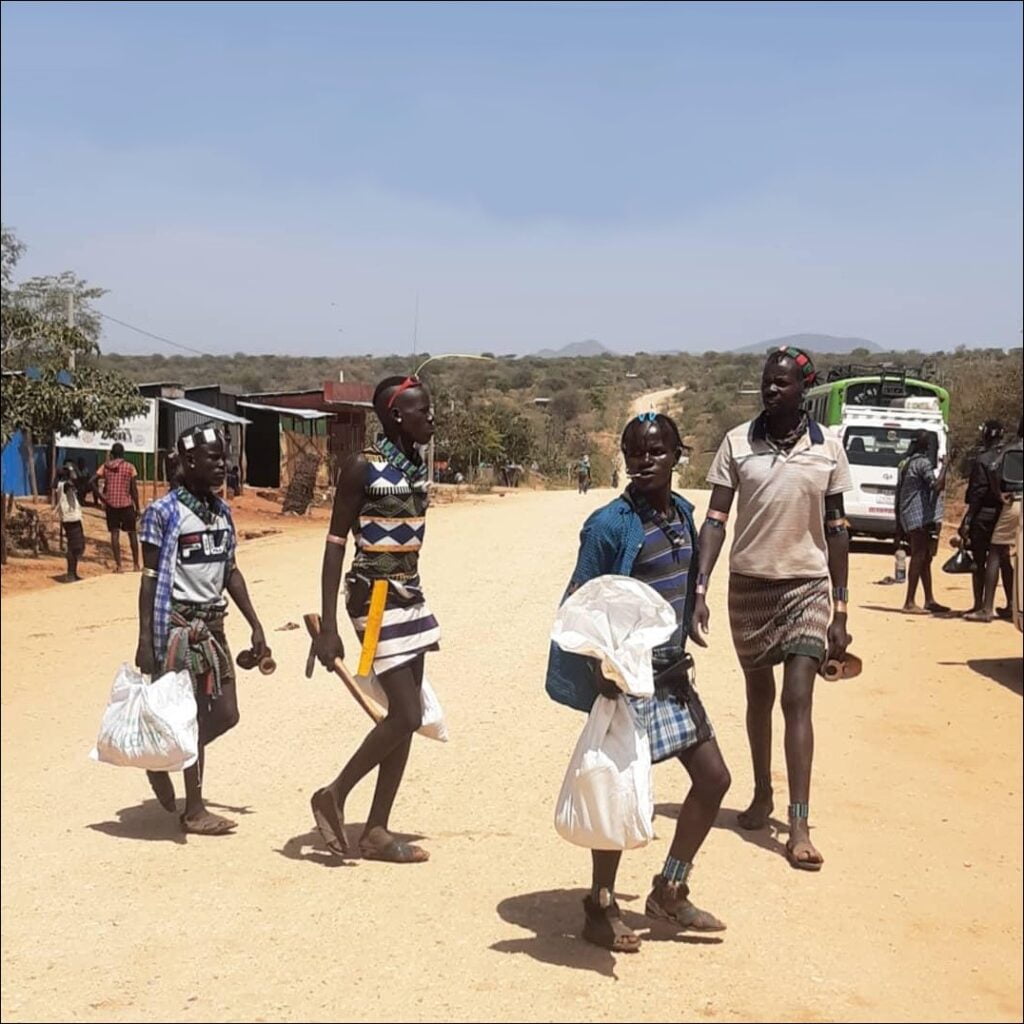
288, 178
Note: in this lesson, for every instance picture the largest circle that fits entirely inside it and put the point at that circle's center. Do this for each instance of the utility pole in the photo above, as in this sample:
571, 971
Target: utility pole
71, 324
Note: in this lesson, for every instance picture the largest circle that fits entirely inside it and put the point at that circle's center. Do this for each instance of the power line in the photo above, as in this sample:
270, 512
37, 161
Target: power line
156, 337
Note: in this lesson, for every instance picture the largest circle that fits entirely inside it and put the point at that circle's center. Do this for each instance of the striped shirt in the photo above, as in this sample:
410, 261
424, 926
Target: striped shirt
666, 567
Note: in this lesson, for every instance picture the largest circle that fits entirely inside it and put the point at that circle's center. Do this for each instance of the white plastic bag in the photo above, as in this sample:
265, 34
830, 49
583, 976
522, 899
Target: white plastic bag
432, 726
618, 620
606, 802
149, 725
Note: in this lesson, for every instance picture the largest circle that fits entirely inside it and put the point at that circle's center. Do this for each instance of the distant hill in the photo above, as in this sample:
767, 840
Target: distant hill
590, 347
814, 343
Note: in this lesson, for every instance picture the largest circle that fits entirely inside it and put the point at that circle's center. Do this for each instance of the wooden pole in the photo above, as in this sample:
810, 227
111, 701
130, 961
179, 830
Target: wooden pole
53, 472
156, 448
156, 442
3, 527
30, 443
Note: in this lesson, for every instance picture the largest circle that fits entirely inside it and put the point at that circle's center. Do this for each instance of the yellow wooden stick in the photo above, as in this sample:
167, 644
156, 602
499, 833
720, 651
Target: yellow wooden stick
374, 618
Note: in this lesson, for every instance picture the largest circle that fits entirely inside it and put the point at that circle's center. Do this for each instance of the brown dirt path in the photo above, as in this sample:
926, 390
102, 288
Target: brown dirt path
108, 915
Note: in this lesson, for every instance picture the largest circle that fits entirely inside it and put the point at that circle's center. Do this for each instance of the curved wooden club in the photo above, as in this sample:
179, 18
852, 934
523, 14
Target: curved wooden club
312, 621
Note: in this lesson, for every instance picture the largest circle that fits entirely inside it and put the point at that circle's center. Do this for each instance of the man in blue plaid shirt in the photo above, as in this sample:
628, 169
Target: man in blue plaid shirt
188, 550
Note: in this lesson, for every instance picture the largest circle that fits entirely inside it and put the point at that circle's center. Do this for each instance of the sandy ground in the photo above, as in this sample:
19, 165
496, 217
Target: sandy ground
256, 513
110, 915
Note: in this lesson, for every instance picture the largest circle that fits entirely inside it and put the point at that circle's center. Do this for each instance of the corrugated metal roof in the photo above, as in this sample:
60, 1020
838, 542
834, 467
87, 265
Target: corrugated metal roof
302, 414
348, 393
282, 394
205, 410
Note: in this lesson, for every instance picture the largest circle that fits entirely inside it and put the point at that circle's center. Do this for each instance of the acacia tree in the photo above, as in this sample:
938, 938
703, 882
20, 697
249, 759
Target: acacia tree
473, 432
517, 440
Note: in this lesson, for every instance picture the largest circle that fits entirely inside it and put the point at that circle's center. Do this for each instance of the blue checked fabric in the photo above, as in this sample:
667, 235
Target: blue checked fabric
161, 527
672, 725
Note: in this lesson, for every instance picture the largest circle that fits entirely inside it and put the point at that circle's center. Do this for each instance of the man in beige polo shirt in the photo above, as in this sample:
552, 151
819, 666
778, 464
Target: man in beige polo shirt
790, 539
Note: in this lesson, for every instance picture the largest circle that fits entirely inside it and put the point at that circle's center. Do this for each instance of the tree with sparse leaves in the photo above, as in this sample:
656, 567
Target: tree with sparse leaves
53, 402
34, 335
34, 314
471, 433
517, 440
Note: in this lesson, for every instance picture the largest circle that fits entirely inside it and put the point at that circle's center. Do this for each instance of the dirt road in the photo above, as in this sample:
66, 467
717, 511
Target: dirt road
656, 400
110, 915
